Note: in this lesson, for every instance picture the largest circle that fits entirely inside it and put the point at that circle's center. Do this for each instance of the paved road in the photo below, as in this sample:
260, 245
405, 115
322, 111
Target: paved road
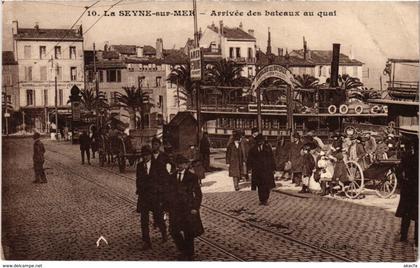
63, 219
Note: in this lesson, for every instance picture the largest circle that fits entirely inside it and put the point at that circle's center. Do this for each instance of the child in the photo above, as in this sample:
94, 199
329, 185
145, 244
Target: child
340, 173
308, 166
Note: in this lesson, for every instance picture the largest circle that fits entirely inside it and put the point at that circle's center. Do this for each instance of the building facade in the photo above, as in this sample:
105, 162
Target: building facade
10, 93
234, 44
44, 55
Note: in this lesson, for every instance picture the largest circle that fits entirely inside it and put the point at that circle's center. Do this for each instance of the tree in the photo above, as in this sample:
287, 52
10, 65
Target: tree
91, 102
347, 82
306, 81
226, 73
135, 99
181, 76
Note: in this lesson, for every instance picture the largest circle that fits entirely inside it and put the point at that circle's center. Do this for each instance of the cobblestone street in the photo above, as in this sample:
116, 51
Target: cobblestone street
63, 219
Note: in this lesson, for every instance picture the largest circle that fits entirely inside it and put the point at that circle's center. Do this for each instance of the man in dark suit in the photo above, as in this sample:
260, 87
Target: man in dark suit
39, 159
184, 216
149, 199
85, 143
261, 162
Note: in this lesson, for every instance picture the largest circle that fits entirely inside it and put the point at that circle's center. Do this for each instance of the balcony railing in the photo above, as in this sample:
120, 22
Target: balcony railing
242, 60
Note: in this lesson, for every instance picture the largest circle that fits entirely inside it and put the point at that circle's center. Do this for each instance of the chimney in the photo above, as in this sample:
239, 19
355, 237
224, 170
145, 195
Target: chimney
36, 26
15, 27
269, 42
106, 46
241, 26
200, 34
351, 53
251, 32
334, 65
78, 29
221, 27
280, 52
159, 48
139, 51
305, 49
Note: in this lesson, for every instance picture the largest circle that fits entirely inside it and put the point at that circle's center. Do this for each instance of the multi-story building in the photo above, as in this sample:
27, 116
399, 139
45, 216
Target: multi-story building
233, 44
42, 56
120, 66
10, 92
322, 61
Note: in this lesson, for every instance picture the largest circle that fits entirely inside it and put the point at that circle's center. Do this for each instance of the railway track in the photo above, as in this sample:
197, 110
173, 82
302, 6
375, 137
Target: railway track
124, 198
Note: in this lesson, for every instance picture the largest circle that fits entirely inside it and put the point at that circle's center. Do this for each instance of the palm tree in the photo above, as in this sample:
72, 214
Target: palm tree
135, 99
306, 81
347, 82
226, 73
91, 101
181, 76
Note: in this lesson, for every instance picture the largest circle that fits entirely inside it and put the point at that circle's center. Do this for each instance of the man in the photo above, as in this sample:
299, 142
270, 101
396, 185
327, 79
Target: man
84, 141
295, 158
408, 208
261, 163
160, 169
308, 165
148, 200
205, 151
251, 140
38, 158
184, 216
235, 158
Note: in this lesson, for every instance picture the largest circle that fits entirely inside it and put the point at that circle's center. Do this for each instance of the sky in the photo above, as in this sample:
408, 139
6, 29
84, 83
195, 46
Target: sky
373, 31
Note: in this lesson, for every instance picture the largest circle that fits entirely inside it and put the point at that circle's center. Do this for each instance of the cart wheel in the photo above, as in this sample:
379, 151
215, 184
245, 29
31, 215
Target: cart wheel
387, 186
356, 178
332, 109
121, 163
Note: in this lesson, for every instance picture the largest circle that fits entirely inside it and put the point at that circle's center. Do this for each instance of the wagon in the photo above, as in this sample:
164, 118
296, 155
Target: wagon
380, 176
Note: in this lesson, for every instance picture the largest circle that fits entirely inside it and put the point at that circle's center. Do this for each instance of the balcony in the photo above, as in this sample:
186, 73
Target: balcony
242, 60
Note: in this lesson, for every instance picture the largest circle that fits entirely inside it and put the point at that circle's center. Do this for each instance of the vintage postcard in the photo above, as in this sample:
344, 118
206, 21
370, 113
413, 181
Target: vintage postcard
229, 131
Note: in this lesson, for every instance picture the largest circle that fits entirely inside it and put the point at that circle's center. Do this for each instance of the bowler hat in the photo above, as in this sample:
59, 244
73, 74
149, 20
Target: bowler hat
36, 136
180, 159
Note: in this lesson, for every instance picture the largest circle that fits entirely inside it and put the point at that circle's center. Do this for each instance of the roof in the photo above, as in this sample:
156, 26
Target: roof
144, 60
179, 118
49, 34
108, 64
324, 57
111, 55
8, 58
174, 56
233, 33
293, 61
132, 49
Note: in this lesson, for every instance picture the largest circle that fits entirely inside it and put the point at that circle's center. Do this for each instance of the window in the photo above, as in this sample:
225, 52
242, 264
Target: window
113, 96
344, 70
73, 53
73, 73
27, 52
101, 76
324, 70
57, 52
45, 97
238, 52
250, 53
59, 73
231, 52
113, 76
249, 72
355, 71
140, 80
160, 104
28, 73
320, 71
7, 78
43, 73
158, 79
30, 97
131, 81
42, 52
60, 97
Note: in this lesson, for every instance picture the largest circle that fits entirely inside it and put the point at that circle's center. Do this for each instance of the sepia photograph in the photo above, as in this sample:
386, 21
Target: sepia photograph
149, 132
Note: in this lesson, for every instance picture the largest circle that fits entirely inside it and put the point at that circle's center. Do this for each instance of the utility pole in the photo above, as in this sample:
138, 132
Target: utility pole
56, 105
96, 84
197, 84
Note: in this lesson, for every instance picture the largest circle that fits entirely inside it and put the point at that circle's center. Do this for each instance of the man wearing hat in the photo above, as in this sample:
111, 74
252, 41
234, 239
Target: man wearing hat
308, 166
234, 158
149, 199
251, 140
38, 158
184, 209
295, 158
261, 163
